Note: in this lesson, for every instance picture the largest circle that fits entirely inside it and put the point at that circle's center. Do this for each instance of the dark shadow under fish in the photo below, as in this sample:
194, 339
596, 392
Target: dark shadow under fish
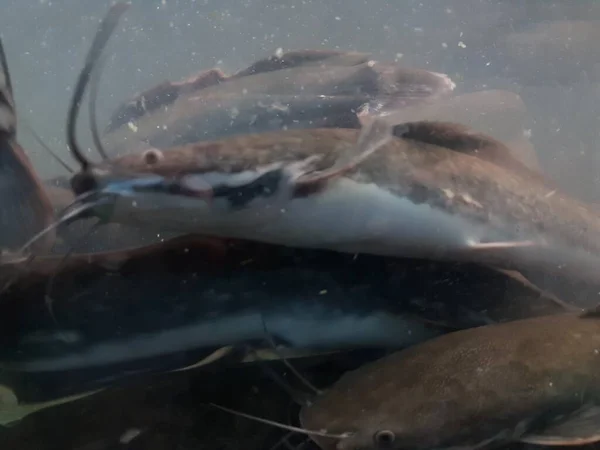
169, 306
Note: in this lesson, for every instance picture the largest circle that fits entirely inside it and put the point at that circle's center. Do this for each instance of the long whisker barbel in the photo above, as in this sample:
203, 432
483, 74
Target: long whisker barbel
41, 142
289, 365
64, 219
93, 118
104, 32
281, 425
75, 214
278, 379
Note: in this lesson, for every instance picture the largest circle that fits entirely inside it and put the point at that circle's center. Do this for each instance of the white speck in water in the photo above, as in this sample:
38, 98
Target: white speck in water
134, 204
132, 126
338, 18
461, 44
279, 52
527, 133
550, 384
444, 45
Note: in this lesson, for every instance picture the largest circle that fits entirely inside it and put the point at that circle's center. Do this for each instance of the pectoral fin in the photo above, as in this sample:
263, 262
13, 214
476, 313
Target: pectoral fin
374, 135
581, 428
11, 411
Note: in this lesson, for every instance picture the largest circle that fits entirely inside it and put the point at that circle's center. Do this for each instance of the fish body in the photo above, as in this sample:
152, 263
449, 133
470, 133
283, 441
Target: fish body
535, 380
170, 306
164, 94
414, 197
302, 89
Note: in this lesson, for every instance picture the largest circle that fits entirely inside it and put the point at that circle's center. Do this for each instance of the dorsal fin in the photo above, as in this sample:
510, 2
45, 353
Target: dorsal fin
24, 206
460, 138
298, 58
162, 95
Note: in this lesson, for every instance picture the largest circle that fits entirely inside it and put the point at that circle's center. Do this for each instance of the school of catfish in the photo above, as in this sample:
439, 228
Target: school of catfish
320, 214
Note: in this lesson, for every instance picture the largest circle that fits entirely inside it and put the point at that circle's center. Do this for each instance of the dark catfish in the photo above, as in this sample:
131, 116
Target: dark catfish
95, 319
534, 381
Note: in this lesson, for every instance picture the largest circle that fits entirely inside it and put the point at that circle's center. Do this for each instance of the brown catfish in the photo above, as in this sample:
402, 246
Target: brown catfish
438, 192
165, 93
534, 381
24, 206
420, 190
301, 89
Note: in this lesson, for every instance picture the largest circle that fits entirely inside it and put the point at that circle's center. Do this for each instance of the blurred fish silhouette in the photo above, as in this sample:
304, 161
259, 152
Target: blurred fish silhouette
25, 208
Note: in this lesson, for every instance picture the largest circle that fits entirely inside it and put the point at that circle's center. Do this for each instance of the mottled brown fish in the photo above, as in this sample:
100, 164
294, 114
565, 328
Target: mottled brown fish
427, 190
438, 192
535, 381
430, 190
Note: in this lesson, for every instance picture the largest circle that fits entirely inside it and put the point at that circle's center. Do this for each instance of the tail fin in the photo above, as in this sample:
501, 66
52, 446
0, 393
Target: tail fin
25, 209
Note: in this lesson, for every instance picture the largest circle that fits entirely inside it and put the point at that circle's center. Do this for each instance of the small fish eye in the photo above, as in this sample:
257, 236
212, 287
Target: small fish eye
152, 156
384, 438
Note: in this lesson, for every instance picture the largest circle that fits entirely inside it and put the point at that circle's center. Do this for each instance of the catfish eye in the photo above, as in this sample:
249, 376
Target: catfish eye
152, 156
384, 438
